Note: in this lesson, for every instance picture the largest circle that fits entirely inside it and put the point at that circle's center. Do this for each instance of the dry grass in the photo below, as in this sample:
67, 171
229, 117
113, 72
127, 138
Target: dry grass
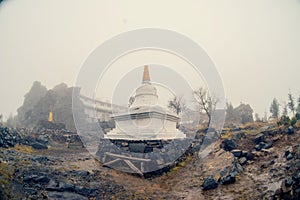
180, 165
23, 149
226, 135
6, 174
254, 125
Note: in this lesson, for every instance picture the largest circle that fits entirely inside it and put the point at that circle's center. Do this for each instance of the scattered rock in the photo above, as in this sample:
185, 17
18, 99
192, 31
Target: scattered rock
259, 138
268, 145
82, 173
263, 145
30, 191
237, 153
239, 136
265, 165
9, 137
210, 183
228, 145
243, 161
288, 182
52, 185
289, 156
228, 179
84, 191
236, 168
259, 146
288, 153
272, 162
37, 138
290, 130
286, 185
249, 155
43, 139
60, 186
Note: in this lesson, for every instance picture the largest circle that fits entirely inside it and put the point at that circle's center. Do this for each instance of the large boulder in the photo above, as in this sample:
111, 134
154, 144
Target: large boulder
228, 145
209, 183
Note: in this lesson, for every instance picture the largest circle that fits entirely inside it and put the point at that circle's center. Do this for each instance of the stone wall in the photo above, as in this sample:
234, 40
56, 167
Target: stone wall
149, 157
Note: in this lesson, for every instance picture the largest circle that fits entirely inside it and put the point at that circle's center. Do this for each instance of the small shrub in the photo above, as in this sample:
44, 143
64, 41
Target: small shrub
284, 120
293, 121
297, 116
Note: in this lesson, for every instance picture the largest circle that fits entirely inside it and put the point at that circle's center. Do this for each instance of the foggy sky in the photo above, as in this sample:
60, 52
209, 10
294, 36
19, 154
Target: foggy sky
254, 44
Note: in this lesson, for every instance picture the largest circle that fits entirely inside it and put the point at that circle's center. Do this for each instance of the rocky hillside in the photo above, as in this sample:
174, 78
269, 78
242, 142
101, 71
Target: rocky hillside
257, 161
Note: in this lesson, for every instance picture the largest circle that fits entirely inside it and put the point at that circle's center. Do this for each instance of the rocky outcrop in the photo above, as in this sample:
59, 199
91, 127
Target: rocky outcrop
9, 137
37, 138
220, 167
39, 101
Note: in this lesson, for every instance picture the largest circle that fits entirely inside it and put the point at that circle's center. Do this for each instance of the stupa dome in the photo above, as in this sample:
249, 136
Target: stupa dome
146, 94
146, 89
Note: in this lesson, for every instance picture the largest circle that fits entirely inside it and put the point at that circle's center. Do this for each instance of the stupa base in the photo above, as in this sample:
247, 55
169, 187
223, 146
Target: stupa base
143, 156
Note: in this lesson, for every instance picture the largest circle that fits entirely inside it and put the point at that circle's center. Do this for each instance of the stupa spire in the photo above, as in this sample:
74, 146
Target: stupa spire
146, 75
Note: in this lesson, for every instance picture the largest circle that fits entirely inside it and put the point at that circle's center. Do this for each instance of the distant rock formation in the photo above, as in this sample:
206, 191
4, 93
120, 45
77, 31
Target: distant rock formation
31, 99
39, 102
242, 114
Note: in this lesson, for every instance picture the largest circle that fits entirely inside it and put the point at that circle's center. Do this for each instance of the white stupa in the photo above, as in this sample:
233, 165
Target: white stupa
145, 119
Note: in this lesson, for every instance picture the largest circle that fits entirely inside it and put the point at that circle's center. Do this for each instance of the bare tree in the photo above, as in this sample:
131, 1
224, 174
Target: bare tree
207, 102
177, 104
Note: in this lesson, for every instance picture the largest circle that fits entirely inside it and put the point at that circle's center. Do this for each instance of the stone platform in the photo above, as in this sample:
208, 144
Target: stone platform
143, 157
